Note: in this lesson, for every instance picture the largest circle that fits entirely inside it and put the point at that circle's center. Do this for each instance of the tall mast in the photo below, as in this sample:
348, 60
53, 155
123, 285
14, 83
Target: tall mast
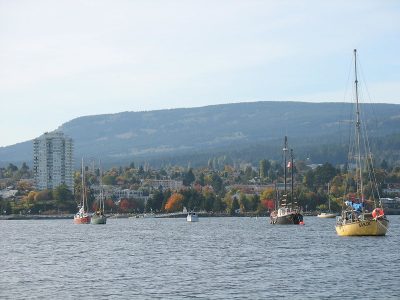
358, 128
329, 199
285, 149
292, 177
83, 186
101, 188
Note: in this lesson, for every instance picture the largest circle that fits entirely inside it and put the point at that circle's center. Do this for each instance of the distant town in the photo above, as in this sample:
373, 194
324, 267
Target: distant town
53, 187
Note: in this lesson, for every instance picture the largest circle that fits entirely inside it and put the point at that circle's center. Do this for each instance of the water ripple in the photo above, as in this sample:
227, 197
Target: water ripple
216, 258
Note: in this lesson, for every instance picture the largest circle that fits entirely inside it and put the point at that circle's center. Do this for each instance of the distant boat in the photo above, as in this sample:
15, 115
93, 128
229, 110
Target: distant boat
328, 214
192, 217
354, 219
82, 216
99, 216
287, 213
150, 215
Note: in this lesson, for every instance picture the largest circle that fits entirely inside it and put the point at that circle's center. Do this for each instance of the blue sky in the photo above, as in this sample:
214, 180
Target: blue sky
64, 59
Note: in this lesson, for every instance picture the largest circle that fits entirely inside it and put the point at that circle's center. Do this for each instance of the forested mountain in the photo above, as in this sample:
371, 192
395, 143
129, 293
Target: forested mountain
239, 132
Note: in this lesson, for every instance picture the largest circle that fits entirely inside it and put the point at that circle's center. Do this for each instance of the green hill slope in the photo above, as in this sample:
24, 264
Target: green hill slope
247, 130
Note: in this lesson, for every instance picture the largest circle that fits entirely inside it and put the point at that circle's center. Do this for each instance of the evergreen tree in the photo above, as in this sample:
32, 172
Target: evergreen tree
201, 179
141, 171
188, 178
217, 205
217, 183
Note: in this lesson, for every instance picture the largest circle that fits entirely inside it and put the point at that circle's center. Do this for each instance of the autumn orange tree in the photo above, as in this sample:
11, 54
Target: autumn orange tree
267, 204
124, 205
267, 200
174, 203
109, 204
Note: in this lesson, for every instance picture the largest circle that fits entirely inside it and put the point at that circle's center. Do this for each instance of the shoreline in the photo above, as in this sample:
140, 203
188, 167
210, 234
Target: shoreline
157, 216
132, 216
35, 217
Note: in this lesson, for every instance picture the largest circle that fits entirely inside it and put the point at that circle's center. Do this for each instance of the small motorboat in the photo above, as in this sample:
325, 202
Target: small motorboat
192, 217
326, 215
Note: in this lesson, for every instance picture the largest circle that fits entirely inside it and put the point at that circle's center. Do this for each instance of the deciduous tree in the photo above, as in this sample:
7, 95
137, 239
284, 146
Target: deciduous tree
174, 203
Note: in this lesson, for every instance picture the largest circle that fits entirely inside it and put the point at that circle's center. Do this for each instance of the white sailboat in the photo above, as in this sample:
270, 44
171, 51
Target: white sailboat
328, 214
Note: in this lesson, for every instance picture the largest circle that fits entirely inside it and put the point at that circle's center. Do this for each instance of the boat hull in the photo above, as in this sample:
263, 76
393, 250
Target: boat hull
326, 215
372, 227
289, 219
96, 219
82, 220
192, 218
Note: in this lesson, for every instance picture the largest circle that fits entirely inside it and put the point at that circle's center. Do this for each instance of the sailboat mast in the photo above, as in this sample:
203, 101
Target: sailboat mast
329, 199
285, 149
83, 186
101, 188
358, 128
292, 177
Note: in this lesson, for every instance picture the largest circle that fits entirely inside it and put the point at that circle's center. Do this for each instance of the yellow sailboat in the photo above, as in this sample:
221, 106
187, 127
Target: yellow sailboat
363, 225
355, 220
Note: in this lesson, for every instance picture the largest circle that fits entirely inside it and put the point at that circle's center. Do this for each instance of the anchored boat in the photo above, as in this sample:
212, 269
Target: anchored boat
99, 216
326, 215
287, 213
329, 214
83, 216
192, 217
355, 220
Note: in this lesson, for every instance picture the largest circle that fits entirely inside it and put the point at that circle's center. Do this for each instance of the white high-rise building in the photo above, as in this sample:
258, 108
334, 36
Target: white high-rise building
53, 161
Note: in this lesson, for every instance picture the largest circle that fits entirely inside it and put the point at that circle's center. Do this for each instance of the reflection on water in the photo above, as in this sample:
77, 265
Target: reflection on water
216, 258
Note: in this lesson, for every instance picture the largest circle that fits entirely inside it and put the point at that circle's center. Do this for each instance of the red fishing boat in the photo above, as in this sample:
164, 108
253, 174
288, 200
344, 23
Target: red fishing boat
82, 217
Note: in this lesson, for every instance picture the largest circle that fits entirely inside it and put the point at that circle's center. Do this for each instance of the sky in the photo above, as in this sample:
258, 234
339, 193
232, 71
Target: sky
64, 59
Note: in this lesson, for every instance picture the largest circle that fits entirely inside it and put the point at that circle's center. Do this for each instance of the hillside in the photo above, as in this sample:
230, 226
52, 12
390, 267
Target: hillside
245, 130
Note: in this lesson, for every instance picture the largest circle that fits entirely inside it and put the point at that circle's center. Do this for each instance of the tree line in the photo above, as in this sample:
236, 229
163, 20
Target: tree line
210, 188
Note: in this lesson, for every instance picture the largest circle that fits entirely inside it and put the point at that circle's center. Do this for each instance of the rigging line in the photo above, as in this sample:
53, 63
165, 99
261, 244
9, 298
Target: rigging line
349, 160
346, 187
360, 185
352, 112
344, 102
352, 135
368, 158
374, 179
367, 147
370, 164
380, 223
365, 86
350, 153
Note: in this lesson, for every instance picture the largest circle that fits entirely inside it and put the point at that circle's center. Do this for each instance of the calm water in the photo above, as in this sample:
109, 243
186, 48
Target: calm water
216, 258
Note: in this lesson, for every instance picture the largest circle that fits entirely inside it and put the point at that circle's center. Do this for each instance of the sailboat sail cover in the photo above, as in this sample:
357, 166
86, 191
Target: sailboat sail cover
355, 206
